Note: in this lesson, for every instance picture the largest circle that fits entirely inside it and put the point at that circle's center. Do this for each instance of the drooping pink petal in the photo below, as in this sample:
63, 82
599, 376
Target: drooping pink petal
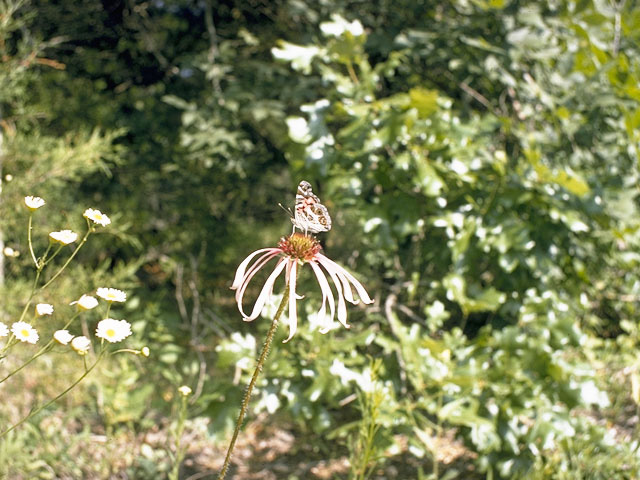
344, 283
250, 274
327, 294
288, 275
331, 265
240, 271
346, 288
258, 264
342, 306
265, 293
293, 314
322, 313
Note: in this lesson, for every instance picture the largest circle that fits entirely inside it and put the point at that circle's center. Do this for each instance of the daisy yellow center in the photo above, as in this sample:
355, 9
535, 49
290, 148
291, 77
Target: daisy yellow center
300, 246
111, 332
24, 332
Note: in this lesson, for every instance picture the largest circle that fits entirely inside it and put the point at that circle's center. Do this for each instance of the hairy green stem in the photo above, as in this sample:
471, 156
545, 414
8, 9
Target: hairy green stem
254, 378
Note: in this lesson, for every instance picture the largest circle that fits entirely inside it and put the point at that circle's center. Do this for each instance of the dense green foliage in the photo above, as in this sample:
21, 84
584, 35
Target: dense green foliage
479, 160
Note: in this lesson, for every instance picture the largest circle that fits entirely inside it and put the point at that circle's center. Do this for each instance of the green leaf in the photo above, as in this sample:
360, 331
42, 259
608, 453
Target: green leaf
298, 56
430, 182
425, 101
489, 300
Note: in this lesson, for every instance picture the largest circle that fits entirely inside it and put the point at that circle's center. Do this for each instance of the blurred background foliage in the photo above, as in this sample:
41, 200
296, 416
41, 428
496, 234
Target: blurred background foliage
479, 160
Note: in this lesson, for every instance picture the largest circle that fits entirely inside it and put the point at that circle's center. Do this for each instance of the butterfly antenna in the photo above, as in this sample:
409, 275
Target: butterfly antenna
288, 210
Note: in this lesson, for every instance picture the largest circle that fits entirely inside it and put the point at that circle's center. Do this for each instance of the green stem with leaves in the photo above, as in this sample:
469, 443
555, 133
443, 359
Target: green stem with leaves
180, 449
436, 465
364, 458
252, 383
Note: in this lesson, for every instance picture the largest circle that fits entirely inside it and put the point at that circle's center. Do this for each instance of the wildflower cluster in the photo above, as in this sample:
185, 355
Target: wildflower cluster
108, 329
23, 330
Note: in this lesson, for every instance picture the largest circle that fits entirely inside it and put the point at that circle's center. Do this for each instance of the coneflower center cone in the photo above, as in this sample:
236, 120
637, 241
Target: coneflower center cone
300, 246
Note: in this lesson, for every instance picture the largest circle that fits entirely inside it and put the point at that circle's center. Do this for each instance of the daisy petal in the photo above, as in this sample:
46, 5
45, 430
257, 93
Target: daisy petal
33, 203
24, 332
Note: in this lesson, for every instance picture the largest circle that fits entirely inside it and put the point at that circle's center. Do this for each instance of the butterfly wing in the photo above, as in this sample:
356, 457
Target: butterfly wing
310, 215
321, 219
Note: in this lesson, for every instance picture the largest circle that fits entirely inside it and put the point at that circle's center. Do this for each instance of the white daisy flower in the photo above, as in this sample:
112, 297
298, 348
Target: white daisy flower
65, 237
81, 345
44, 309
86, 302
63, 337
4, 330
184, 390
24, 332
111, 294
96, 216
113, 330
10, 252
33, 203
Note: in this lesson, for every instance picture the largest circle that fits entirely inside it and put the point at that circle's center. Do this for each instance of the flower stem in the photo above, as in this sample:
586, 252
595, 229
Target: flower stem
33, 291
352, 73
254, 378
58, 397
33, 255
84, 239
37, 354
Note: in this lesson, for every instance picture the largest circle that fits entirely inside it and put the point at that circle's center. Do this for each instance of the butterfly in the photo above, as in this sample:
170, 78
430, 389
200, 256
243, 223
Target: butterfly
309, 214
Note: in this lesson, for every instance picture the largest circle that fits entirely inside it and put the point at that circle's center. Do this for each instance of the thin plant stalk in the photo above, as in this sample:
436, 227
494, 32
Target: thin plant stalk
55, 254
10, 343
38, 353
180, 448
254, 378
43, 261
82, 242
31, 295
33, 255
58, 397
